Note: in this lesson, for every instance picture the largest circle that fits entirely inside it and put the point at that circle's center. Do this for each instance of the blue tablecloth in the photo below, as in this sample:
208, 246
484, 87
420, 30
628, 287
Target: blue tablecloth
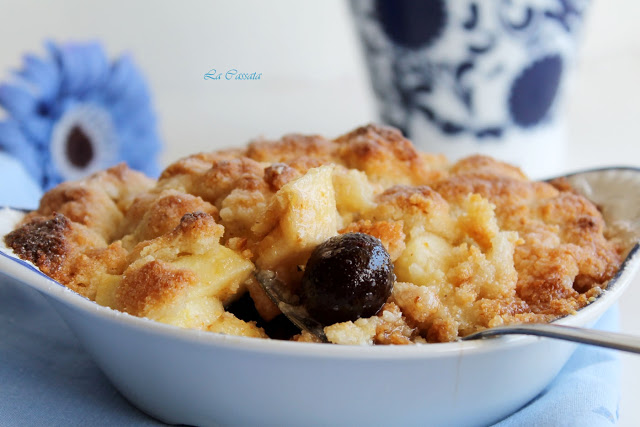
46, 378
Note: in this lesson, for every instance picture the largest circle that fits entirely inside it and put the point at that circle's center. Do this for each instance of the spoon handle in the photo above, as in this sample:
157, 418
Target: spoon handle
612, 340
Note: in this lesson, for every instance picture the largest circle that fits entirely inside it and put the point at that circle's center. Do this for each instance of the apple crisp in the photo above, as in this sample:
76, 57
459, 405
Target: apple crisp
474, 244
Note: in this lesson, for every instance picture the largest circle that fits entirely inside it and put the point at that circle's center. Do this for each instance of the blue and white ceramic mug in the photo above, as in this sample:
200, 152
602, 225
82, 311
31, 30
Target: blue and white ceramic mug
474, 76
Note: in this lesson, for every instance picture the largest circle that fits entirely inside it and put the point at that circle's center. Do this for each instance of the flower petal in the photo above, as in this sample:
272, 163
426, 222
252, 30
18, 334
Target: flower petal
132, 113
140, 149
43, 75
17, 100
50, 174
127, 96
84, 67
37, 129
14, 142
126, 82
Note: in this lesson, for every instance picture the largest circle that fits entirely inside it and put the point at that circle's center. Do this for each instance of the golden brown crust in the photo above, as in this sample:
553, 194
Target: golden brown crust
475, 243
152, 215
278, 174
53, 244
153, 284
564, 251
385, 155
484, 165
290, 147
393, 329
421, 200
97, 201
46, 243
195, 233
504, 192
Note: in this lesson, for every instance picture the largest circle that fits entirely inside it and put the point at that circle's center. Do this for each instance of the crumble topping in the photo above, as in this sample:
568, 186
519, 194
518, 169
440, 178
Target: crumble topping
474, 244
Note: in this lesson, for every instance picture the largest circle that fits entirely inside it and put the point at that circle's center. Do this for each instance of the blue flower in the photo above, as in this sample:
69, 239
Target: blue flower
75, 113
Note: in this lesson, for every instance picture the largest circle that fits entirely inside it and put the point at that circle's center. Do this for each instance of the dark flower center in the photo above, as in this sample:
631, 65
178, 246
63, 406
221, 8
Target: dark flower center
79, 148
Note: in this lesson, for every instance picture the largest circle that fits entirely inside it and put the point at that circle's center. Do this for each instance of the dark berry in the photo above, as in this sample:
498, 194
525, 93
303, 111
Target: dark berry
347, 277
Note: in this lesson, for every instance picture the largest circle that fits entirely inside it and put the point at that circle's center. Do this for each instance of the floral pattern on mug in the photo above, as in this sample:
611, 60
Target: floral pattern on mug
474, 68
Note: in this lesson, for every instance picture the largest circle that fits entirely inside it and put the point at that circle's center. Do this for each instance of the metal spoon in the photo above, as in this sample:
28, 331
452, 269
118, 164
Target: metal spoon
291, 308
289, 304
612, 340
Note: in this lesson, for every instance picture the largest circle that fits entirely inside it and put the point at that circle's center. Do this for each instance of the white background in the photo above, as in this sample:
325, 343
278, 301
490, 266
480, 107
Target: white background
313, 80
